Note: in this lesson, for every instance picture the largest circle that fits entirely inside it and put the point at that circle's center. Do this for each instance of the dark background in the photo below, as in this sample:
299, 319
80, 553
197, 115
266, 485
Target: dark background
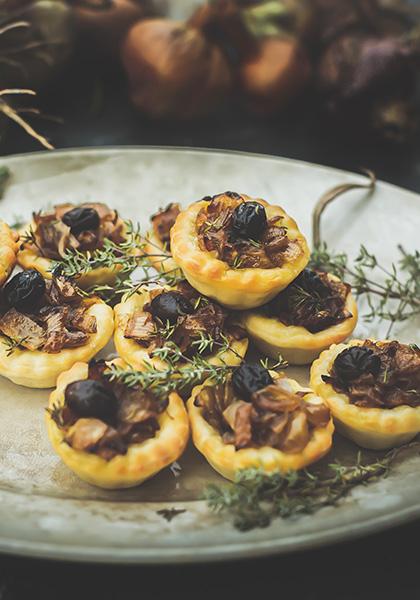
95, 113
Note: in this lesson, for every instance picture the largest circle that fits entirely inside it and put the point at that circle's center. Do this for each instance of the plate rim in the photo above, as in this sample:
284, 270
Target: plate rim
208, 554
213, 553
200, 150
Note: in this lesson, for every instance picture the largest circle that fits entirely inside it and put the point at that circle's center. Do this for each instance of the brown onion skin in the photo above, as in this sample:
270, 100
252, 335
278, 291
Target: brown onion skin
173, 71
277, 73
104, 29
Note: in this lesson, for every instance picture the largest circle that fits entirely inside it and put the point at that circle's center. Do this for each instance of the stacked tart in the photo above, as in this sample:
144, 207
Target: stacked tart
313, 312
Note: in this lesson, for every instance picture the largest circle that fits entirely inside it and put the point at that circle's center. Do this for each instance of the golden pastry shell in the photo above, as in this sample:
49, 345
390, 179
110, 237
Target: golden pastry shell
30, 258
38, 369
235, 288
141, 461
135, 354
153, 247
9, 246
296, 344
376, 428
227, 461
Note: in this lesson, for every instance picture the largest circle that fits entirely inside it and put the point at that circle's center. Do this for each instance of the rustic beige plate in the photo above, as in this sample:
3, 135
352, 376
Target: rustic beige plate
44, 509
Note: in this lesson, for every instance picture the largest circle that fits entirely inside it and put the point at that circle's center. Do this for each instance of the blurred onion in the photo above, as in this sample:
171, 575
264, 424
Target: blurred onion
173, 70
275, 74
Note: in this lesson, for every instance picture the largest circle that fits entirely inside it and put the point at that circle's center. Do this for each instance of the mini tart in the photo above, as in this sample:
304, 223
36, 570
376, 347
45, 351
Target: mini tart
29, 257
294, 343
375, 428
235, 288
157, 239
38, 369
154, 246
135, 355
141, 461
227, 460
9, 247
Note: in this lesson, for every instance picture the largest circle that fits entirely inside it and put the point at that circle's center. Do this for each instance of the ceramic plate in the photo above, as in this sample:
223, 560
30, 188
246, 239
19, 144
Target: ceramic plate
44, 509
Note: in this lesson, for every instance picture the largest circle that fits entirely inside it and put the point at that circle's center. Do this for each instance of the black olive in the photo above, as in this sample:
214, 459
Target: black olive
24, 290
170, 305
249, 220
81, 219
249, 378
90, 398
355, 361
310, 281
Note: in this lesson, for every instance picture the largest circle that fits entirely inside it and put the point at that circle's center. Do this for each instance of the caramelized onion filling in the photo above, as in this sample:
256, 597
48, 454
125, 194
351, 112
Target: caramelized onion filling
205, 317
313, 301
54, 232
57, 319
131, 417
237, 240
274, 416
163, 222
378, 374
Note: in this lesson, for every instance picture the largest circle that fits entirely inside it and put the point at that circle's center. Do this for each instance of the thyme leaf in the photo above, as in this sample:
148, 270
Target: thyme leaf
180, 374
11, 344
126, 257
255, 498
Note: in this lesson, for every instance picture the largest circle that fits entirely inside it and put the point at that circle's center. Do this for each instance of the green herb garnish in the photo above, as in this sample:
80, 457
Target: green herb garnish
255, 498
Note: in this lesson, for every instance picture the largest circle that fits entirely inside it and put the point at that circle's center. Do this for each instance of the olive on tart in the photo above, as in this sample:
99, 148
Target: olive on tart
155, 316
46, 326
158, 239
239, 251
313, 312
111, 435
9, 246
259, 419
82, 227
372, 389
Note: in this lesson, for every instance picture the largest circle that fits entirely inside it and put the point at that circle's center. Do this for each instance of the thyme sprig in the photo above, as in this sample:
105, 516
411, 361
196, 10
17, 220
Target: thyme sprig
393, 297
124, 287
11, 344
255, 498
181, 372
128, 257
175, 377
